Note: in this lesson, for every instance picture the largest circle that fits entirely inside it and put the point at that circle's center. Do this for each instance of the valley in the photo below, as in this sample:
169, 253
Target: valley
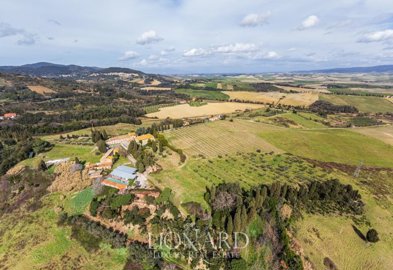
91, 167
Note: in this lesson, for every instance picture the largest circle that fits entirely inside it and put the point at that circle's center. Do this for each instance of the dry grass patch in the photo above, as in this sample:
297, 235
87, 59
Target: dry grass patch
384, 133
315, 89
42, 90
155, 88
187, 111
296, 99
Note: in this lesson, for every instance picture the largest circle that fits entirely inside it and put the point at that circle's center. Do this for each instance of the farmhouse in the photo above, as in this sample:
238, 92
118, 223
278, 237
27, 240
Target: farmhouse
216, 117
119, 178
143, 139
9, 115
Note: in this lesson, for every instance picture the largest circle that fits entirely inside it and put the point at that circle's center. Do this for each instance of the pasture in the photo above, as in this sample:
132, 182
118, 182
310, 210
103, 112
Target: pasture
293, 99
220, 137
304, 120
187, 111
334, 237
367, 104
332, 145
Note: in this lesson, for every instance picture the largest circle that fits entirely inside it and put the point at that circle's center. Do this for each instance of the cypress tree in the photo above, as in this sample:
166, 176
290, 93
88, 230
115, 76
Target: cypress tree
237, 223
244, 218
213, 192
230, 226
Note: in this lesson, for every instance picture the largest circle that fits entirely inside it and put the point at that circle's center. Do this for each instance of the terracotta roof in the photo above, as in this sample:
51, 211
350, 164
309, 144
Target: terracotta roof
7, 115
113, 184
145, 137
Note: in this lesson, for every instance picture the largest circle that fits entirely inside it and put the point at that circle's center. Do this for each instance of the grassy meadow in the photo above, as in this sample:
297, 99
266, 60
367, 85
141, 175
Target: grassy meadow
333, 145
304, 120
60, 151
334, 237
363, 103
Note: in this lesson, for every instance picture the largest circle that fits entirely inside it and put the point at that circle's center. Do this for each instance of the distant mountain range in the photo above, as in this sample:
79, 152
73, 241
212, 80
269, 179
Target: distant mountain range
373, 69
55, 70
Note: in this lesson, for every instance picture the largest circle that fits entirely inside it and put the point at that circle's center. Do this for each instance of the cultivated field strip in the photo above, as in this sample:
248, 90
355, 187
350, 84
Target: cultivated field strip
220, 138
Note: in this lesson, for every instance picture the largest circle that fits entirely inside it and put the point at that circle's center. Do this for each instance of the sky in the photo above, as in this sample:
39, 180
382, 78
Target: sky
198, 36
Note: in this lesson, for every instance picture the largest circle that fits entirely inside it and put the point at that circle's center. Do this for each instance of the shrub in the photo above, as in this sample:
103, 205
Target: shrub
372, 236
120, 200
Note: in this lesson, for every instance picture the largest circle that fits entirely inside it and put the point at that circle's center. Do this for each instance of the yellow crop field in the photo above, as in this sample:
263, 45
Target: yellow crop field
155, 88
42, 90
295, 99
187, 111
316, 89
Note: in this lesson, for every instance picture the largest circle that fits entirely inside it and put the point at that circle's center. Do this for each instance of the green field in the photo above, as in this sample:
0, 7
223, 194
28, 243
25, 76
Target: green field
59, 151
363, 103
333, 145
204, 94
221, 137
78, 202
306, 120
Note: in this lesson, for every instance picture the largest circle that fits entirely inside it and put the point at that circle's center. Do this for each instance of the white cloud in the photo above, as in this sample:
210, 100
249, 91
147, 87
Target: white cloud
196, 52
378, 36
253, 19
237, 48
129, 55
309, 22
25, 38
55, 22
148, 38
143, 62
167, 51
270, 55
